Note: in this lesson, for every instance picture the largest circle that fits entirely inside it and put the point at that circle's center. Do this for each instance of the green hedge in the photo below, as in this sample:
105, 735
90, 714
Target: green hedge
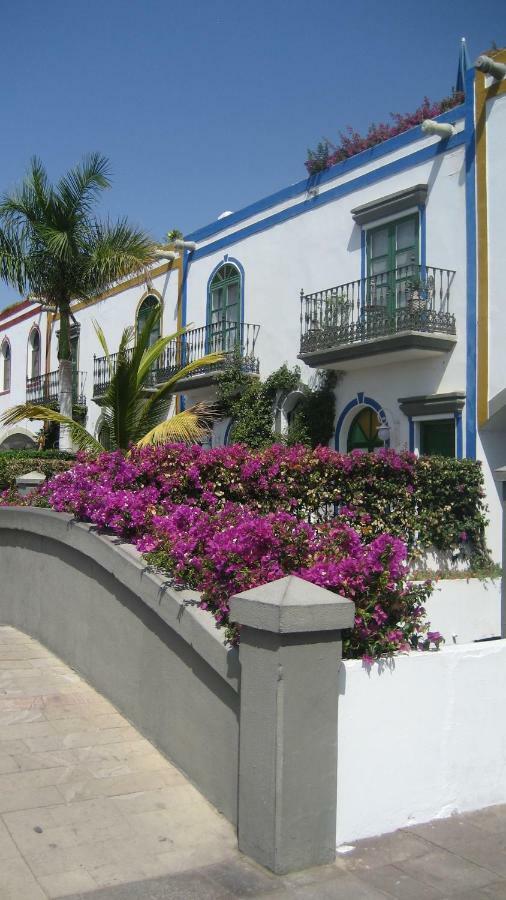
18, 462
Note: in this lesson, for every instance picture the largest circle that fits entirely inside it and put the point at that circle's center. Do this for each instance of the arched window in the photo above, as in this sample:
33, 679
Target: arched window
5, 365
363, 433
34, 353
145, 309
224, 315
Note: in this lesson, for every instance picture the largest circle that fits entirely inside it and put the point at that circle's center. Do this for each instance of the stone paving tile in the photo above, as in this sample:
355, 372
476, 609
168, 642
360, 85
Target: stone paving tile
447, 872
396, 883
492, 819
385, 849
18, 882
461, 837
188, 886
89, 809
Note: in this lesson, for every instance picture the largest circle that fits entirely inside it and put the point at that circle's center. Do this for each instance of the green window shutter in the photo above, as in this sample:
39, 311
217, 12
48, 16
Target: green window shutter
225, 309
393, 257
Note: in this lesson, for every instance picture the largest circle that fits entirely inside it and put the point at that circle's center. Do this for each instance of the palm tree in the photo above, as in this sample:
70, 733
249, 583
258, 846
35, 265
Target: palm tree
53, 248
133, 411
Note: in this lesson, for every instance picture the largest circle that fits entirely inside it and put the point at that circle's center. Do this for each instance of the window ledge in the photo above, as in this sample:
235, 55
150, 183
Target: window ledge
390, 205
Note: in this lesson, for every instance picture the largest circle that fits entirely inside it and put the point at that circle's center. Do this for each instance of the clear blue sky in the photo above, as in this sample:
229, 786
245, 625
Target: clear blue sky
208, 105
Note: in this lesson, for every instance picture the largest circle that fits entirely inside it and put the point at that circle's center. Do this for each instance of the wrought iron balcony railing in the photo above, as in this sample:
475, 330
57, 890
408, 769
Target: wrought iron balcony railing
104, 368
229, 338
44, 388
408, 299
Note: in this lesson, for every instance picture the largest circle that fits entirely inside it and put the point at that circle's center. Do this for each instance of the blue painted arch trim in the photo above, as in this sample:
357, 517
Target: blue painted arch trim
227, 260
360, 400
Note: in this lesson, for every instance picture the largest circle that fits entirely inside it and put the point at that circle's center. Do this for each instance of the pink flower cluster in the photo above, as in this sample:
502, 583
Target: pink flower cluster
225, 551
352, 143
225, 520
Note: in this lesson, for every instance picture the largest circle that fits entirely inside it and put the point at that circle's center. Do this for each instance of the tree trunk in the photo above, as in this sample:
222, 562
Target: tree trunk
65, 376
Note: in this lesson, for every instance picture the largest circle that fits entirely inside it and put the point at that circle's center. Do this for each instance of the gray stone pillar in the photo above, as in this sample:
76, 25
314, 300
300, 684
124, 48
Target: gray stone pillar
500, 476
290, 653
29, 482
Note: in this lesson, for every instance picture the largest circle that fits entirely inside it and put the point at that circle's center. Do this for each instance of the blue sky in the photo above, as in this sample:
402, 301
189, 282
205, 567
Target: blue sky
209, 105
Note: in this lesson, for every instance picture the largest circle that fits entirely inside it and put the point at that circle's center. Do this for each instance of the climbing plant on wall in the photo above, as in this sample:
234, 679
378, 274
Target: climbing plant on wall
251, 403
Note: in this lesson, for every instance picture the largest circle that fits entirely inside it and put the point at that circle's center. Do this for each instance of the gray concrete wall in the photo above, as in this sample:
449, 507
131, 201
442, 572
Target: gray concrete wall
162, 662
146, 647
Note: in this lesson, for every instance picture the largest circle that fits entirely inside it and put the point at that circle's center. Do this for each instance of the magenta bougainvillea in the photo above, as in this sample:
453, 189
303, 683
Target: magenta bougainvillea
225, 520
351, 143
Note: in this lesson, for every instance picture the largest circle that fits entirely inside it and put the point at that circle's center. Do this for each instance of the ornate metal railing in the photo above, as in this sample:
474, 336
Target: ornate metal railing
229, 338
104, 368
410, 298
44, 388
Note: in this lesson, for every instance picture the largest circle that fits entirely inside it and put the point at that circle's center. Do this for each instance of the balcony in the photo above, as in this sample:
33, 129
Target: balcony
229, 338
43, 389
396, 315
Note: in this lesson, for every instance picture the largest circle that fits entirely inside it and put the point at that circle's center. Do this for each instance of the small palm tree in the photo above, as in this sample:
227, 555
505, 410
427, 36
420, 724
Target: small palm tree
132, 414
54, 248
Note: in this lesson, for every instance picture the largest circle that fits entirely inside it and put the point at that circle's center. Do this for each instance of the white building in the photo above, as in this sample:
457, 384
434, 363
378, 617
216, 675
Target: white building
388, 267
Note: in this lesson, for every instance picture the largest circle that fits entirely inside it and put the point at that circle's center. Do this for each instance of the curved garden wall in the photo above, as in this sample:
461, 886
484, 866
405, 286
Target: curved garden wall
92, 601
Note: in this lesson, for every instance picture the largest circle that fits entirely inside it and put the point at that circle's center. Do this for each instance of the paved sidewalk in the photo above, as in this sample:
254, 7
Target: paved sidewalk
89, 809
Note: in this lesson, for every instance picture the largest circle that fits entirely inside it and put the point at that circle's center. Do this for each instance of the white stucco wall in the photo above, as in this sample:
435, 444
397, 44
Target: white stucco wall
420, 737
114, 314
16, 328
496, 202
465, 610
321, 248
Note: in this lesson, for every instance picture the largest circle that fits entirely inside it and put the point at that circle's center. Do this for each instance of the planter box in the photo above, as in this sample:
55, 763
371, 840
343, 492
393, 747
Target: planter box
466, 610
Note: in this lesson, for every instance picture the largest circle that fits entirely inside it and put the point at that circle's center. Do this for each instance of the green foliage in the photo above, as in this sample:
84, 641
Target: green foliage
313, 420
250, 405
130, 413
18, 462
174, 235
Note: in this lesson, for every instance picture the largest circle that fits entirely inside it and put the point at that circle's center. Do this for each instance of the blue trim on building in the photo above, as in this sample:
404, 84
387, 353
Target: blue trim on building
460, 436
184, 312
471, 323
303, 186
426, 154
411, 434
359, 400
423, 238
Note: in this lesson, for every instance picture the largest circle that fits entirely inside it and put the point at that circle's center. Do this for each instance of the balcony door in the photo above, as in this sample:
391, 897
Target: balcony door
224, 310
392, 262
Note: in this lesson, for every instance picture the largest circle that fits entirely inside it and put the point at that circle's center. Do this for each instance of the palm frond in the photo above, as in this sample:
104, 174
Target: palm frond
79, 188
101, 337
156, 407
116, 250
80, 437
188, 427
152, 353
12, 262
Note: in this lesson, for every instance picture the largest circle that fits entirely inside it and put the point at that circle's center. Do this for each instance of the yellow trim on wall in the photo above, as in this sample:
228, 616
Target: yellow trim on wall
482, 95
126, 285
